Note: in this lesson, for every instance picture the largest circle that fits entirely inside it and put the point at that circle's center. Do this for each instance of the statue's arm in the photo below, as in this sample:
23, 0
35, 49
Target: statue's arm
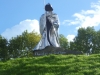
42, 23
56, 21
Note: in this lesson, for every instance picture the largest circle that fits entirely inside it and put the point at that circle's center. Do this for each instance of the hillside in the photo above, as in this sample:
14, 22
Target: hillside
52, 65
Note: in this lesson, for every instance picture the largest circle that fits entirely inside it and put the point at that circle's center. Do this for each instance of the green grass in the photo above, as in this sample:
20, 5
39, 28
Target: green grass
53, 65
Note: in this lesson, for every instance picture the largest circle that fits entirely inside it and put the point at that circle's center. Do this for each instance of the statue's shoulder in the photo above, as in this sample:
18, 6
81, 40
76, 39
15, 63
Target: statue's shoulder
54, 14
42, 16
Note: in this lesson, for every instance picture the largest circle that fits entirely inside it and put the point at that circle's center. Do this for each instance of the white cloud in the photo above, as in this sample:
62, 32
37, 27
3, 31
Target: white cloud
27, 24
86, 17
70, 37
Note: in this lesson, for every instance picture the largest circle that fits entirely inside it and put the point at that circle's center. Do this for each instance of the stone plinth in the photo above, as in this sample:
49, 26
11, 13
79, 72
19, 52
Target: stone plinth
48, 50
54, 50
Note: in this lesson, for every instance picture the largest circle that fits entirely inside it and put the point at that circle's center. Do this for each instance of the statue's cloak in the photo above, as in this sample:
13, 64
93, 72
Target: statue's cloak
49, 25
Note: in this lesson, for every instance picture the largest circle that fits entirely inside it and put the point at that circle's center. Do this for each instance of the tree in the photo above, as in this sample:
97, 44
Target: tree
72, 46
3, 48
84, 39
30, 40
22, 45
15, 47
63, 41
96, 43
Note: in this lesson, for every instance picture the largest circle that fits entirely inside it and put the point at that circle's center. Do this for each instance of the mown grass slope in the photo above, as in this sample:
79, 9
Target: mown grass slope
53, 65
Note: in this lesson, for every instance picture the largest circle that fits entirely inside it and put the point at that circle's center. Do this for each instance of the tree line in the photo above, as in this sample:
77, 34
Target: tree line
87, 41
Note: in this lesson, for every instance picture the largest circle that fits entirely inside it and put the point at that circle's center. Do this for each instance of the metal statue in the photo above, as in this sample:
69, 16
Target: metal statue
49, 24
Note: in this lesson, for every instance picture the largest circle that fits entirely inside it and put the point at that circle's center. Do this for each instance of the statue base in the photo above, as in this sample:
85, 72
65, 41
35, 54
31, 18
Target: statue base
54, 50
48, 50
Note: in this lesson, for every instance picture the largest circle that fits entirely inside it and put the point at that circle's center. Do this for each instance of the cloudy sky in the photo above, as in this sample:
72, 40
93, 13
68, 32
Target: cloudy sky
17, 16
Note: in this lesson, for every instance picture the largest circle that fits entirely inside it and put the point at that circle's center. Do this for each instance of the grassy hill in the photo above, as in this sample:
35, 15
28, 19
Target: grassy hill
52, 65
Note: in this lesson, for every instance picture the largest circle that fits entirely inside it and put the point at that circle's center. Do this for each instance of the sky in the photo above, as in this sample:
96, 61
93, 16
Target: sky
17, 16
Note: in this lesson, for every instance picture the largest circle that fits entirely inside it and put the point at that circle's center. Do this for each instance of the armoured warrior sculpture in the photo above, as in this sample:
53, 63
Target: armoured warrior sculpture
49, 24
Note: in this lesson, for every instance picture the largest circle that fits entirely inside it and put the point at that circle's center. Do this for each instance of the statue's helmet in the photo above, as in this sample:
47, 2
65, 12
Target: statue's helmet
48, 7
